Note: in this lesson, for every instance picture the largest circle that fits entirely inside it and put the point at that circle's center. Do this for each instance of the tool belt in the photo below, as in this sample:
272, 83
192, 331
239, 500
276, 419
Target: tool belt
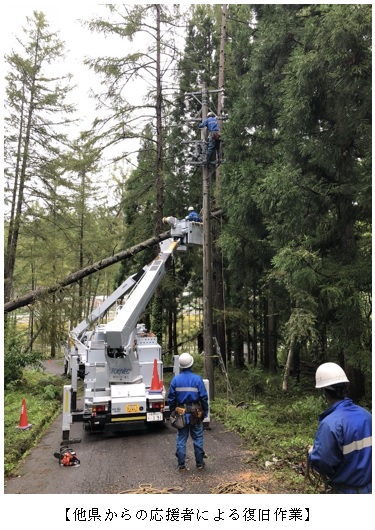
194, 410
178, 418
216, 136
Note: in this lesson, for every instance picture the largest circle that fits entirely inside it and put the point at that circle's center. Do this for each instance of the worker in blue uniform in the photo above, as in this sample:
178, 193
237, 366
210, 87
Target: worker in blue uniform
193, 216
188, 393
213, 136
342, 449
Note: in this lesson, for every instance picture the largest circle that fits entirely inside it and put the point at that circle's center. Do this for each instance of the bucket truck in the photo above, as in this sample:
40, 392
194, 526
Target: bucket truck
123, 385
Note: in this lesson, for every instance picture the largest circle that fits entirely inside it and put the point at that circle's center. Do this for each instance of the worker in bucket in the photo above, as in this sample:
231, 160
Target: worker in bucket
342, 450
188, 401
193, 216
213, 147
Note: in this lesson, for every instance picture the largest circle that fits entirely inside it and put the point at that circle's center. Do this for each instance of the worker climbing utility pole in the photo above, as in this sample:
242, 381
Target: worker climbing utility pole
207, 260
200, 157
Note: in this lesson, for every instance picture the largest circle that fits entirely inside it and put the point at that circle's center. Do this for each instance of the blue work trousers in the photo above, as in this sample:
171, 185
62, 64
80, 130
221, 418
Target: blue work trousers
196, 432
212, 149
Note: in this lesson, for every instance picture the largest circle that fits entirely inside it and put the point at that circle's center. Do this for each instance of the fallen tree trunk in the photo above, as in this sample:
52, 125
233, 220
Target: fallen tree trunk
32, 296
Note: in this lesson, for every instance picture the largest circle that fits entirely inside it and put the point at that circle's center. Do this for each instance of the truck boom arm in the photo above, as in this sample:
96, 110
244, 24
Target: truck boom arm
107, 303
119, 330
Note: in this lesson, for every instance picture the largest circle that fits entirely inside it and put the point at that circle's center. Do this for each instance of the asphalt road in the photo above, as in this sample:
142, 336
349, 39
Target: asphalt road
131, 462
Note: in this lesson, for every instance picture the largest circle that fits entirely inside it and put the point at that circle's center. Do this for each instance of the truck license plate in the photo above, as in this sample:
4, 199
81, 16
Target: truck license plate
132, 408
154, 416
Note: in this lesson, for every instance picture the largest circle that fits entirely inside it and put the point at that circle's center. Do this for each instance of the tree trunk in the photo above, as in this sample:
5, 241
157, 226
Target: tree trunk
21, 169
10, 253
159, 135
238, 350
266, 351
218, 288
53, 325
287, 369
157, 306
255, 331
81, 239
219, 302
356, 387
272, 332
29, 346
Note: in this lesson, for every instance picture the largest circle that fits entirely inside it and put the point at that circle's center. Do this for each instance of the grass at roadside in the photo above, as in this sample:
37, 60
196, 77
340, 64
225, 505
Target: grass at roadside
276, 426
42, 393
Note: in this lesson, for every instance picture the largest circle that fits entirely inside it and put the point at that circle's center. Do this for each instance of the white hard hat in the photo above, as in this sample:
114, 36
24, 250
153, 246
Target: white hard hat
190, 209
185, 360
329, 374
211, 115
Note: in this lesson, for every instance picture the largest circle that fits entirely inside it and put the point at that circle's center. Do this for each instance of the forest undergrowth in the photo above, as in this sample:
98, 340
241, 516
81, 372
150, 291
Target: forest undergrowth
277, 426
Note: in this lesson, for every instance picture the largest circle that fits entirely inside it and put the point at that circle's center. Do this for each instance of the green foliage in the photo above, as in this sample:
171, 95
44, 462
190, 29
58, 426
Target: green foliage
304, 410
51, 392
301, 327
36, 113
273, 425
16, 359
298, 142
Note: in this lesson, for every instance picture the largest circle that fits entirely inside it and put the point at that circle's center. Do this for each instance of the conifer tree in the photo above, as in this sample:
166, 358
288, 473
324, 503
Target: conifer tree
301, 120
35, 112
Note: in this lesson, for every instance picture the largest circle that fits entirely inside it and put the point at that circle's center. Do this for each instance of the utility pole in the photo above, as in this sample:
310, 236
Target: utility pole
200, 159
207, 260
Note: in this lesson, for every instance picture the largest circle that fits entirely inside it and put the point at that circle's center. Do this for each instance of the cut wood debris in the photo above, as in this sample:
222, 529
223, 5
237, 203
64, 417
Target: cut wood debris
148, 489
238, 487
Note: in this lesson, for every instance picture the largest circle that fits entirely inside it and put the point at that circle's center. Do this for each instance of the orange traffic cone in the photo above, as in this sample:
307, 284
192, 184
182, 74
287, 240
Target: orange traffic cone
156, 384
23, 424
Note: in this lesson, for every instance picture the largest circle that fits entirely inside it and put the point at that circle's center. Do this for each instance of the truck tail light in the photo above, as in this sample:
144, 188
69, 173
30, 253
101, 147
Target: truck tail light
157, 405
97, 409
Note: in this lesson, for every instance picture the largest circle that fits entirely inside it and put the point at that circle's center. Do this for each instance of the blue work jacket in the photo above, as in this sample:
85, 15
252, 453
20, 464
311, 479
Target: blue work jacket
342, 447
187, 388
210, 123
193, 216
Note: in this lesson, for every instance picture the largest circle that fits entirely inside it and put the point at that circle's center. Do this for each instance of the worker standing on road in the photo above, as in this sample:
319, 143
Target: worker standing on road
342, 449
213, 136
188, 395
193, 216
